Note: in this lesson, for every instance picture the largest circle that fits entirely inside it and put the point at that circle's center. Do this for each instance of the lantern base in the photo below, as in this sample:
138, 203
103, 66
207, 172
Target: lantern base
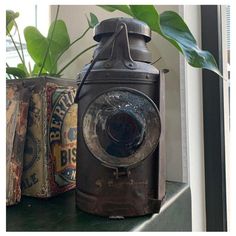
119, 207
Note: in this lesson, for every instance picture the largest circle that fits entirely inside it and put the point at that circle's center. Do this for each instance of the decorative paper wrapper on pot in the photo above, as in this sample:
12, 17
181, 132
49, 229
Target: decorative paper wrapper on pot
17, 98
50, 149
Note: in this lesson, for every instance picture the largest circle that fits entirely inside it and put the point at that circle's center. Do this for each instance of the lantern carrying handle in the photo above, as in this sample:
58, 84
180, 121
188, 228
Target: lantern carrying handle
119, 28
120, 50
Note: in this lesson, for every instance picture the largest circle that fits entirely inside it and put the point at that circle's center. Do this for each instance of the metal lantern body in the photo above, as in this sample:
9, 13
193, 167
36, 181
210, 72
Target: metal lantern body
121, 148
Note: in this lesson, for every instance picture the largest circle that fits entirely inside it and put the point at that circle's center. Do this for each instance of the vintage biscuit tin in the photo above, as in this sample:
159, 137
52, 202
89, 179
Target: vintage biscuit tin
50, 148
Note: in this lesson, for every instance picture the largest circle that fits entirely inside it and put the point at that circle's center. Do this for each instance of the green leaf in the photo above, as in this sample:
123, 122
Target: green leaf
111, 8
173, 28
37, 44
10, 18
92, 21
148, 14
23, 68
16, 72
60, 39
36, 70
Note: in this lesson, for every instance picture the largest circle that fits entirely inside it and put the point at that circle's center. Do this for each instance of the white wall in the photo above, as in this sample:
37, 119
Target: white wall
227, 117
170, 60
184, 126
193, 78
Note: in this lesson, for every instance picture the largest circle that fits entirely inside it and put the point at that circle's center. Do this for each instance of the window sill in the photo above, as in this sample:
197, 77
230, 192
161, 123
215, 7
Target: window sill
60, 214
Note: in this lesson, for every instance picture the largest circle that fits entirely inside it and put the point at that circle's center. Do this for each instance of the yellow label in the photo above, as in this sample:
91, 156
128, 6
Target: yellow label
63, 136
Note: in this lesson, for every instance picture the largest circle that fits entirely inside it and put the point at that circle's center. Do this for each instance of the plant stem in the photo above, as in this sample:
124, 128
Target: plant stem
30, 71
17, 29
9, 74
50, 41
68, 48
156, 61
15, 47
80, 37
85, 50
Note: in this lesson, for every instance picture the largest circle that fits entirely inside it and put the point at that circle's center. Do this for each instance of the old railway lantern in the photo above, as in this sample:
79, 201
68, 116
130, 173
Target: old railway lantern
121, 147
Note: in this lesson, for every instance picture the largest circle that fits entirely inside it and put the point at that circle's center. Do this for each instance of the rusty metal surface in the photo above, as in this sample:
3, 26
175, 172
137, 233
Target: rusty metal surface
17, 98
50, 150
120, 189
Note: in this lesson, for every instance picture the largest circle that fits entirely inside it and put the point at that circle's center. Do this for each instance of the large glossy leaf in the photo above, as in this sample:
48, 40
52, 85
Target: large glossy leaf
37, 44
150, 16
173, 28
60, 39
10, 17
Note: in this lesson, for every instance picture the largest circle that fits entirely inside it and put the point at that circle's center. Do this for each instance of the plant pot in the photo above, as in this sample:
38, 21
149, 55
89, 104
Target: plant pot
50, 148
17, 98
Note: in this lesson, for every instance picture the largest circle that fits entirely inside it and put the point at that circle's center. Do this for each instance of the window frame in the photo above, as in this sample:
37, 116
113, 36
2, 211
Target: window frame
214, 122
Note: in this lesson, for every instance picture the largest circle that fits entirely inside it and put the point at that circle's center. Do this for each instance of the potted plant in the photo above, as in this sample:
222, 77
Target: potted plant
48, 155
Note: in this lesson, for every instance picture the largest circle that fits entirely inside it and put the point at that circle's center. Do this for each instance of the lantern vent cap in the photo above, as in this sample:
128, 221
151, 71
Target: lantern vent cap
134, 26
